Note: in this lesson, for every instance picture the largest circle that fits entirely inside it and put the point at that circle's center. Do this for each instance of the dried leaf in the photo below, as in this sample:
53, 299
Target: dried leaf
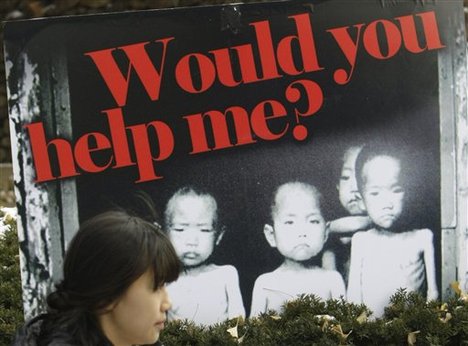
443, 307
362, 318
339, 331
325, 325
448, 317
36, 8
241, 339
325, 320
233, 331
412, 338
456, 287
325, 317
9, 214
275, 317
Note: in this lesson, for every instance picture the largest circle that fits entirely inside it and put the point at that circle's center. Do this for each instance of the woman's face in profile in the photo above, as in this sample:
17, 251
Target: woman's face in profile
139, 315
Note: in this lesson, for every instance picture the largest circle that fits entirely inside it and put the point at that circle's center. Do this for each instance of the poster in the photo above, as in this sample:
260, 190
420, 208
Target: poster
236, 101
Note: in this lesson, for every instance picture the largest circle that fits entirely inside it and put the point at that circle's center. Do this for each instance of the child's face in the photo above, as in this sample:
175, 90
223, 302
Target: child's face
383, 193
191, 230
347, 187
298, 225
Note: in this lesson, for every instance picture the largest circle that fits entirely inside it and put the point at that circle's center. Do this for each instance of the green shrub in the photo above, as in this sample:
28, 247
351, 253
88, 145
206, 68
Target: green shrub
11, 306
408, 320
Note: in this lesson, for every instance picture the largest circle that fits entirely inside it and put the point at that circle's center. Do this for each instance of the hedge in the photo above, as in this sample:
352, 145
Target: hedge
408, 319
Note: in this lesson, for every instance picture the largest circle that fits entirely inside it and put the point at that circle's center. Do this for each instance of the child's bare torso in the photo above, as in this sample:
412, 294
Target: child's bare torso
203, 297
390, 261
282, 285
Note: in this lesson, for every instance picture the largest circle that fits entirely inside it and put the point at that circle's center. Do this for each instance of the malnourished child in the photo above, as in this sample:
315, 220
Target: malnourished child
205, 293
387, 257
298, 231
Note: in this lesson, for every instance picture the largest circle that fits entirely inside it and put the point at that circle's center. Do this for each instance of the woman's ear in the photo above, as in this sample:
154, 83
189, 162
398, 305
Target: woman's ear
108, 308
269, 233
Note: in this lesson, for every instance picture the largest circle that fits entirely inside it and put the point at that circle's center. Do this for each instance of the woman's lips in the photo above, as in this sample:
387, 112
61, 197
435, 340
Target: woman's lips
160, 324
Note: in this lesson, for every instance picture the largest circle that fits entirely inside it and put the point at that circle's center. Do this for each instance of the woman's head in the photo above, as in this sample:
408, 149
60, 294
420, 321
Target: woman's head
108, 256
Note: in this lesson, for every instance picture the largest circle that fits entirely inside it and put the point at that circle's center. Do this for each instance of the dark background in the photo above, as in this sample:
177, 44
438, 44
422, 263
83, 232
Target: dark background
394, 100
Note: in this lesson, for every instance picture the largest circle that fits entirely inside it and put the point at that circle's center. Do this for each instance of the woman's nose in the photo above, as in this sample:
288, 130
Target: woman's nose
166, 303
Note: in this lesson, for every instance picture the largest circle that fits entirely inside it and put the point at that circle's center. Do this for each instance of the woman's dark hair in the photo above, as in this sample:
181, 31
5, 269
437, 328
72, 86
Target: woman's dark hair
108, 253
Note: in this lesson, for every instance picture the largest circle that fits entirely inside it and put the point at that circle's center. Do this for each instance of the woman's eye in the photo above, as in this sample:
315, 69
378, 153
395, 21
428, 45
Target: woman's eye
207, 230
374, 193
314, 221
398, 190
345, 177
288, 222
178, 229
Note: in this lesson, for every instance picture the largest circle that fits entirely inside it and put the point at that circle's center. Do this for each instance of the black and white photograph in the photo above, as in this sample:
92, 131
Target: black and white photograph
284, 148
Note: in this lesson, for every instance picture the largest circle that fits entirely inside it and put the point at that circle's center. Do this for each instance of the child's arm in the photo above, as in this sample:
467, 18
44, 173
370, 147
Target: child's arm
428, 249
259, 298
337, 285
355, 269
234, 297
349, 224
329, 260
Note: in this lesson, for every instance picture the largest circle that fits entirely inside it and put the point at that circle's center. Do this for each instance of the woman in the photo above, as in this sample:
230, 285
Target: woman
113, 289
